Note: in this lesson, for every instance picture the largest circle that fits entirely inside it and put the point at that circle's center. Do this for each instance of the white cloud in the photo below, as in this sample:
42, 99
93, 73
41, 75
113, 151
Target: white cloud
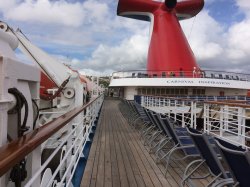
97, 12
95, 73
6, 5
130, 54
44, 11
204, 43
59, 12
238, 37
244, 5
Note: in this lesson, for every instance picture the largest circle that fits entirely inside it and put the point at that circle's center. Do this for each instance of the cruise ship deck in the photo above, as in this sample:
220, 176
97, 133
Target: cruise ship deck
119, 158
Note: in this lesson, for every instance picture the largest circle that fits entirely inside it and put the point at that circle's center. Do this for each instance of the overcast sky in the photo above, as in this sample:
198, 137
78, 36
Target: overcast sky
89, 36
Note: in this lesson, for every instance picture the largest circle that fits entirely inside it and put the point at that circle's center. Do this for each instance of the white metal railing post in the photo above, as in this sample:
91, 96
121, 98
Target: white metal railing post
221, 115
142, 101
226, 116
146, 101
183, 116
150, 101
175, 110
193, 114
242, 124
169, 105
206, 121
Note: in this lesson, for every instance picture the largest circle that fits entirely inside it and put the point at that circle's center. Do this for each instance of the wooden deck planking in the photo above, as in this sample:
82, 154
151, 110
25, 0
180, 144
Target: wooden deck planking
91, 163
139, 168
119, 158
154, 173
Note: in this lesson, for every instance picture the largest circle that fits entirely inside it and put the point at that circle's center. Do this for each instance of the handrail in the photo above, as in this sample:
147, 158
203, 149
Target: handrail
166, 97
191, 99
233, 103
15, 151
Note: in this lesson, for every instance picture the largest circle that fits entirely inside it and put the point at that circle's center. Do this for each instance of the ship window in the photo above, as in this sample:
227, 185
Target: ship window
163, 91
149, 91
143, 91
172, 92
167, 91
186, 91
183, 91
198, 91
139, 91
153, 91
194, 92
177, 91
158, 91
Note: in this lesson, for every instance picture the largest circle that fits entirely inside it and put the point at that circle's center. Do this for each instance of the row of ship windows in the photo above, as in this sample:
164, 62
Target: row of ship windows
170, 91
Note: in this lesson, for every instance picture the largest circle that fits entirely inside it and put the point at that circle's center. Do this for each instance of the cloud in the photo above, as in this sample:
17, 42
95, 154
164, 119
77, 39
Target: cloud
94, 39
59, 12
238, 36
6, 5
204, 43
244, 5
129, 55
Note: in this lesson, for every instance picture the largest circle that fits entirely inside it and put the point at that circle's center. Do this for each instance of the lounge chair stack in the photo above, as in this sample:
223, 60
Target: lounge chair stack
225, 164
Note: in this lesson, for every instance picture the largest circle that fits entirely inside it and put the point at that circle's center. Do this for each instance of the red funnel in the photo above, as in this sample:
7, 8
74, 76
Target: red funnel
168, 49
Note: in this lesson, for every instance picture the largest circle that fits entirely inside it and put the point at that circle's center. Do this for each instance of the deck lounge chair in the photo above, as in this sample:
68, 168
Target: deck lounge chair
181, 142
155, 131
210, 157
132, 113
238, 160
164, 136
142, 117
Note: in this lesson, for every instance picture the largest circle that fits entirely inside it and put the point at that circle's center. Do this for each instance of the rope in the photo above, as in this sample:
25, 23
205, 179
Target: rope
191, 28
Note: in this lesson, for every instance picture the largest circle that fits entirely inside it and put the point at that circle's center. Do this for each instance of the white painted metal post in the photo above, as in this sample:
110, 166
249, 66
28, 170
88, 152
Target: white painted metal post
222, 128
226, 117
242, 124
193, 115
175, 109
183, 114
206, 121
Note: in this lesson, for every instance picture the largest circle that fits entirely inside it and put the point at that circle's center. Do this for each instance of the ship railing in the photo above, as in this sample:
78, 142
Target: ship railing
63, 140
182, 111
215, 98
228, 121
205, 97
211, 74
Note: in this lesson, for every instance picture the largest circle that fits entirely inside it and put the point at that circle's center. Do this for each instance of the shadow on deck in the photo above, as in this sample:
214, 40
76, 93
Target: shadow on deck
119, 158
